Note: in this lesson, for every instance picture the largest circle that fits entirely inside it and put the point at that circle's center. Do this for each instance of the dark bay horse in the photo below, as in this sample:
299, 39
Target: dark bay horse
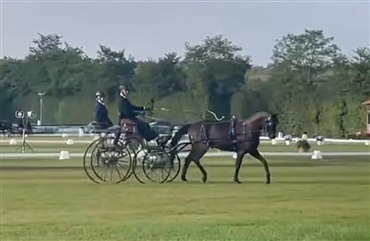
240, 136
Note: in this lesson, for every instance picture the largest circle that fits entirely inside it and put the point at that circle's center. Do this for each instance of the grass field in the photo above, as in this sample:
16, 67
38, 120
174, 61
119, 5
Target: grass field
264, 147
307, 200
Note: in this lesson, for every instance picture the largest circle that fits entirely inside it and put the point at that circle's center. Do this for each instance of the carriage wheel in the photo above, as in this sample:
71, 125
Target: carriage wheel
86, 161
174, 168
110, 164
132, 145
155, 166
136, 144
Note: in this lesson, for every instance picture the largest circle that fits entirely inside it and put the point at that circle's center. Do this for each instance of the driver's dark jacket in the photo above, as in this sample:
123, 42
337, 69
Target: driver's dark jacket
101, 115
126, 109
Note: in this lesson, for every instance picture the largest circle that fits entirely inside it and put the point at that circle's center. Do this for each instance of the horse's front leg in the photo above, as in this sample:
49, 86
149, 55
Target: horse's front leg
258, 156
238, 163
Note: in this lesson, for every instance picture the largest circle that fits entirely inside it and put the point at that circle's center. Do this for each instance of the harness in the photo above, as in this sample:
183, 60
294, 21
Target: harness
232, 132
232, 129
204, 133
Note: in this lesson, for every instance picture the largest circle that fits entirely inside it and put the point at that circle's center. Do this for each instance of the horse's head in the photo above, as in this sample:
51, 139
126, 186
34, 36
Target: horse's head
263, 120
270, 125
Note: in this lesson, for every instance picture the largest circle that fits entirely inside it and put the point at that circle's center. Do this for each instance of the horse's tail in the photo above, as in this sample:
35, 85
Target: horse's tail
182, 131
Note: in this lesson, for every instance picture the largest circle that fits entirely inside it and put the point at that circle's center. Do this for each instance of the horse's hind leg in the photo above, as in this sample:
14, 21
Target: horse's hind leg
185, 167
196, 153
201, 168
258, 156
238, 163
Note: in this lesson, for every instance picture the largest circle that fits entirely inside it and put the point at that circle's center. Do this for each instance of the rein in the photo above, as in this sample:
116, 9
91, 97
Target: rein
218, 119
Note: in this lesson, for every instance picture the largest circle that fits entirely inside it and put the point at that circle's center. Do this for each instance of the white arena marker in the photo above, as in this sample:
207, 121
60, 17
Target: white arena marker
367, 143
64, 155
234, 156
287, 142
316, 155
12, 142
64, 135
273, 141
70, 142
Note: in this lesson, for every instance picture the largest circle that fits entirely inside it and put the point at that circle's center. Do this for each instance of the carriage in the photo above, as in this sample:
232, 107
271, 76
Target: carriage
104, 162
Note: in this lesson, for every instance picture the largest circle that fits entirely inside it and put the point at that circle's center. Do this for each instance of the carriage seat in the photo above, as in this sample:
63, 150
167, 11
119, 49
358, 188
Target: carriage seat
97, 127
128, 126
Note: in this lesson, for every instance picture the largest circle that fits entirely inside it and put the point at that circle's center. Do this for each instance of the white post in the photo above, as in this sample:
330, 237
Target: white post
41, 106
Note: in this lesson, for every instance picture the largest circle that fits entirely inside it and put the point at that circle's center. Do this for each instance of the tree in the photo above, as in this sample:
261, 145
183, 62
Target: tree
310, 84
160, 78
215, 72
302, 64
360, 70
309, 55
46, 43
54, 67
10, 84
115, 70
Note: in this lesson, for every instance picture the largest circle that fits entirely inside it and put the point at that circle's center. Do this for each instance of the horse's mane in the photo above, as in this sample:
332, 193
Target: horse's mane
257, 116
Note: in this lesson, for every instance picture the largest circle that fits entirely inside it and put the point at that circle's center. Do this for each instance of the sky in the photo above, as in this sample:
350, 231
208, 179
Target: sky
149, 29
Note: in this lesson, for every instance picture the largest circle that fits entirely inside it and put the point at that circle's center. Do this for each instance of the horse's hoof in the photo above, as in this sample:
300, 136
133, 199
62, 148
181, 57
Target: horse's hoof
204, 179
184, 179
268, 181
237, 181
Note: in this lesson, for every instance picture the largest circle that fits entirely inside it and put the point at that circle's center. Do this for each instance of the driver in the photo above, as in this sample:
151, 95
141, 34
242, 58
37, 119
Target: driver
129, 111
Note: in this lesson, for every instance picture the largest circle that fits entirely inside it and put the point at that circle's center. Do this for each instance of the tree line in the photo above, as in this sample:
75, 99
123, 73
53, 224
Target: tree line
309, 83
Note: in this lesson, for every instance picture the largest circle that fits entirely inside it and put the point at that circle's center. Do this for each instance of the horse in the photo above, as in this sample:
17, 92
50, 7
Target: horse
240, 136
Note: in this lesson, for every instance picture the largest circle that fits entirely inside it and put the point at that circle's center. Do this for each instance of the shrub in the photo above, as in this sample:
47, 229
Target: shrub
303, 145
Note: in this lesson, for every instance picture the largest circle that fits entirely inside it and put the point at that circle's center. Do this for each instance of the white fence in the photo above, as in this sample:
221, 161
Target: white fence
54, 139
214, 154
329, 140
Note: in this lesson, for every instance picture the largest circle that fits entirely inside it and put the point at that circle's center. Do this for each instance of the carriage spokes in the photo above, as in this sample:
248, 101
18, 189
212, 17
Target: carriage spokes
103, 162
